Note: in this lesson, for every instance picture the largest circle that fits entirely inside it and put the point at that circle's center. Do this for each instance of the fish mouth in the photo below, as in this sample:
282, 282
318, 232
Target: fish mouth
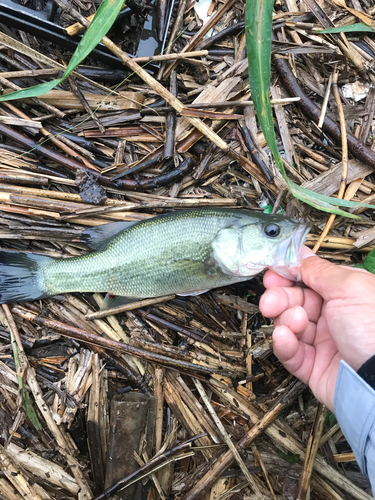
288, 257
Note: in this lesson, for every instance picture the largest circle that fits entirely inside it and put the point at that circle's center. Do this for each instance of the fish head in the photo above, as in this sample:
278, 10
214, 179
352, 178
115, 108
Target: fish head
269, 241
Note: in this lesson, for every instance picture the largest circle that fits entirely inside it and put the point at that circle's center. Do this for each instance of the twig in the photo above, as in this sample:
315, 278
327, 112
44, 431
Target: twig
277, 202
88, 338
344, 172
227, 439
15, 476
337, 242
129, 307
173, 35
170, 124
170, 57
158, 393
55, 140
30, 73
58, 432
75, 88
325, 102
311, 451
258, 458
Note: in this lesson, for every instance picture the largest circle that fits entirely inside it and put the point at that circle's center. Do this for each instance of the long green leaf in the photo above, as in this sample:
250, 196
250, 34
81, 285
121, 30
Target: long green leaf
24, 393
319, 201
348, 28
103, 20
369, 262
258, 25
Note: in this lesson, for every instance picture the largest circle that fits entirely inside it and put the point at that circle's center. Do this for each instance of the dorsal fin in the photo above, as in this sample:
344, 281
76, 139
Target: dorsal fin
97, 237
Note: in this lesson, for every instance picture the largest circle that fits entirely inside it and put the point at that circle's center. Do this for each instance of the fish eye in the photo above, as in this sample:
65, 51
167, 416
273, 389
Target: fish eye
272, 230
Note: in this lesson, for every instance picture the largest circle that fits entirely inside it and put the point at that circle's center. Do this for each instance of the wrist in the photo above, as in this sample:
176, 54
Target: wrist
367, 371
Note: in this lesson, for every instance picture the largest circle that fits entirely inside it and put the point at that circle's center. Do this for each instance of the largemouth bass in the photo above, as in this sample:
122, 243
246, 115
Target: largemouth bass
184, 252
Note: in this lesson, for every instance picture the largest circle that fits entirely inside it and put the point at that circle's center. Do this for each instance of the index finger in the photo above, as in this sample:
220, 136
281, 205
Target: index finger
272, 280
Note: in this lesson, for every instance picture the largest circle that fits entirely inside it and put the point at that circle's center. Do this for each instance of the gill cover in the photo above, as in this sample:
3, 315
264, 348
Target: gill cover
228, 252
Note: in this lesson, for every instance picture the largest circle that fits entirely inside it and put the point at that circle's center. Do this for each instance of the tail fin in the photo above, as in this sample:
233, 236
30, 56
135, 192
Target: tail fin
20, 276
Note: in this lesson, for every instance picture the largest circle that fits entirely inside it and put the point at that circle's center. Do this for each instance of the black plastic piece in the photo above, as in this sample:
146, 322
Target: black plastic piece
40, 24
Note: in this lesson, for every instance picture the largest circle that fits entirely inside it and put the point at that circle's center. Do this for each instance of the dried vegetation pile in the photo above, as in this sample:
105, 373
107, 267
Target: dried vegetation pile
182, 397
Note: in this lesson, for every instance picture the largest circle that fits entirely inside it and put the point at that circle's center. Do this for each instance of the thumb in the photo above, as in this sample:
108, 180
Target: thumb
327, 279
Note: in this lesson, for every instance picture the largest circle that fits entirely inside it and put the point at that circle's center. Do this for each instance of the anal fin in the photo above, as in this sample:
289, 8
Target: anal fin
188, 294
111, 300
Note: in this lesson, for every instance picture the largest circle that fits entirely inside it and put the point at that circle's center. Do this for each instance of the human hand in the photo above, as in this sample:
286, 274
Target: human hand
318, 326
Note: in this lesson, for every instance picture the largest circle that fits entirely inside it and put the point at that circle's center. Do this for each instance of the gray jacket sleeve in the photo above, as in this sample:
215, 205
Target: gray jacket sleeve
354, 407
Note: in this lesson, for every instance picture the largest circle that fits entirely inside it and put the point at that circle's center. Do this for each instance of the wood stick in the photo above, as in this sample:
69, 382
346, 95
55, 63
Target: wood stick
159, 394
170, 125
50, 154
30, 73
14, 44
227, 439
129, 307
88, 338
15, 476
149, 467
173, 35
337, 243
39, 466
344, 457
311, 451
344, 172
171, 57
259, 459
66, 446
279, 434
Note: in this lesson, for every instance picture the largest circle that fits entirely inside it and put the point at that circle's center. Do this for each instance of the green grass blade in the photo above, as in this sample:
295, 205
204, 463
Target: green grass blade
99, 27
369, 262
328, 199
23, 391
103, 20
316, 201
258, 26
349, 28
31, 91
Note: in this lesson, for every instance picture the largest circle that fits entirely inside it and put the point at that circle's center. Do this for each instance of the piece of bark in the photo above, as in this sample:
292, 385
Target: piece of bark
132, 420
65, 99
328, 182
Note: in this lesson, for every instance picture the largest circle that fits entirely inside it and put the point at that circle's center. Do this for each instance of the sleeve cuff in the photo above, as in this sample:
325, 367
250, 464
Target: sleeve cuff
354, 406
